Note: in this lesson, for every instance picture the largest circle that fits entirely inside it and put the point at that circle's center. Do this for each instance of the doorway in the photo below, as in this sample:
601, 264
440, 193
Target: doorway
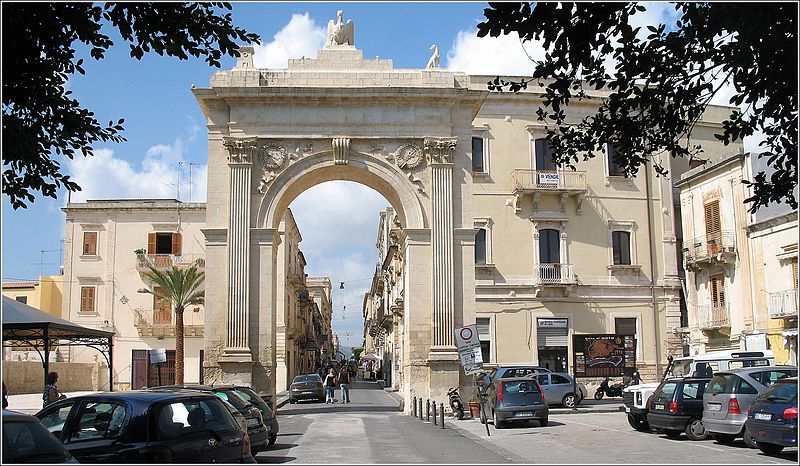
553, 358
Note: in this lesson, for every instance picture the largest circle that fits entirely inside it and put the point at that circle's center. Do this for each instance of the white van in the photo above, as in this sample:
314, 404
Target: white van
635, 397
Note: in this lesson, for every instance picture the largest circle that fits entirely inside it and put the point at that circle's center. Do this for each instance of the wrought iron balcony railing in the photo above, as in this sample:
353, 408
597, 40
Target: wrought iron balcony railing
711, 316
554, 274
524, 180
782, 303
163, 261
710, 245
156, 322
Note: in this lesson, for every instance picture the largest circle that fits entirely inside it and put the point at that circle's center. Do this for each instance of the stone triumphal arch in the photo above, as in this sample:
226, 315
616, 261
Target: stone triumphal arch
274, 133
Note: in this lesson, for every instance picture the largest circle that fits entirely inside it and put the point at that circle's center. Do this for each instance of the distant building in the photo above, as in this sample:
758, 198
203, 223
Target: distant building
44, 294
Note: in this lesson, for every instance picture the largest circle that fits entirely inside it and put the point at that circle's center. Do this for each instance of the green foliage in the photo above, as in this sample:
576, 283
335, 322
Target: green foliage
661, 85
41, 121
179, 286
356, 352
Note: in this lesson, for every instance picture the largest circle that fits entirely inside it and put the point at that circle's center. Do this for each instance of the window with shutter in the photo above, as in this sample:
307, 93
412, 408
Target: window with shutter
89, 243
621, 247
162, 309
87, 299
713, 227
151, 243
477, 155
794, 273
176, 244
718, 291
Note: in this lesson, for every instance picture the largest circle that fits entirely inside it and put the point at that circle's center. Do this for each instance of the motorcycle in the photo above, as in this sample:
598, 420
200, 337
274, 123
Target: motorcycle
455, 403
608, 390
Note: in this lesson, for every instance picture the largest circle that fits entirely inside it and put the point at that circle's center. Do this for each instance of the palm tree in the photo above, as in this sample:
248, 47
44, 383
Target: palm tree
180, 288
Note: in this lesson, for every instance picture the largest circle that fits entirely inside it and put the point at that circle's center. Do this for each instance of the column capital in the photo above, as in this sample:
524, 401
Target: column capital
439, 150
240, 150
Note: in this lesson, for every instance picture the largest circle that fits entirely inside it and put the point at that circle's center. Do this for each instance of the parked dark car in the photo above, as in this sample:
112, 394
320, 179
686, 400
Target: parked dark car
256, 428
730, 394
267, 415
144, 426
26, 440
306, 387
677, 407
514, 399
772, 418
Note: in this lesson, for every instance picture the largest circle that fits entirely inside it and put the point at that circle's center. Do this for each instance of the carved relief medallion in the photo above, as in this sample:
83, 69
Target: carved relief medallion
409, 156
272, 156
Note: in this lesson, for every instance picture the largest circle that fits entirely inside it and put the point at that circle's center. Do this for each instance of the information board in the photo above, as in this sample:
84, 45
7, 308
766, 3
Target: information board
601, 355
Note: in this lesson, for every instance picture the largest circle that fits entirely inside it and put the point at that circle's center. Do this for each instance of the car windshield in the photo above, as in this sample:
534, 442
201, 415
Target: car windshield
30, 442
191, 415
779, 393
681, 368
307, 378
249, 396
232, 398
522, 386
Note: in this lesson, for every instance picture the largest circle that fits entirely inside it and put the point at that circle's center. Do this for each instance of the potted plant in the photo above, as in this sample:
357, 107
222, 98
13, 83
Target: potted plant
139, 252
474, 406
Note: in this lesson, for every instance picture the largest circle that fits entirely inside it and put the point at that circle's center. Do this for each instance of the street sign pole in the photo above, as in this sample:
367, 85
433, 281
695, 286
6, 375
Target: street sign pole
480, 406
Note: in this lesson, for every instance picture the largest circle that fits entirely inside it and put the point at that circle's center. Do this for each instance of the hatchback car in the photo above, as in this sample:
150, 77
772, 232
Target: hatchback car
772, 418
729, 395
558, 389
677, 406
26, 440
306, 387
514, 399
257, 429
147, 427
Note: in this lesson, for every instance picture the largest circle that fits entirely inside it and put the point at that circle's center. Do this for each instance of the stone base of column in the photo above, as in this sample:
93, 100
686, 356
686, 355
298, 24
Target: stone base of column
443, 353
236, 366
444, 373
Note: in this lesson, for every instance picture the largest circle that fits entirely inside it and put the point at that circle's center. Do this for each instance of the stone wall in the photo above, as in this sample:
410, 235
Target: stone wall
28, 376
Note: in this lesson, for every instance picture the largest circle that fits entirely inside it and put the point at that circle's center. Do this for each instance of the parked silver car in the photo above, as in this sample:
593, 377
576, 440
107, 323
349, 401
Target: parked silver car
730, 394
558, 389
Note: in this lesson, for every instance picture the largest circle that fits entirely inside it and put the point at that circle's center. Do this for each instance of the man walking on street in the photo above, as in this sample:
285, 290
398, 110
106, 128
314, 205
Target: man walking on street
344, 384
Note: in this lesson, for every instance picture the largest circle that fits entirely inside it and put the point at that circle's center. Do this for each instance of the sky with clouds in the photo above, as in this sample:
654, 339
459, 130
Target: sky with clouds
165, 155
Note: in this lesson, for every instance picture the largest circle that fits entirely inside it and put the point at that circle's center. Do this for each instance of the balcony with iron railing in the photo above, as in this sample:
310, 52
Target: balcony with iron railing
719, 246
554, 276
161, 323
782, 304
166, 261
536, 182
713, 316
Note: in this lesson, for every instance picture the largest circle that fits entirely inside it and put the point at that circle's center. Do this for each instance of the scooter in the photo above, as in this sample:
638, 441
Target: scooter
455, 403
608, 390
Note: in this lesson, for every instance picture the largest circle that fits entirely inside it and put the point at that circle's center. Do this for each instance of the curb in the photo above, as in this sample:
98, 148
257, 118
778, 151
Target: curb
508, 454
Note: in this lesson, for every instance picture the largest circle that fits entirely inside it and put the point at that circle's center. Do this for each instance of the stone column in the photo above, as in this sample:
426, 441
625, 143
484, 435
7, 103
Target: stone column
439, 152
264, 305
237, 351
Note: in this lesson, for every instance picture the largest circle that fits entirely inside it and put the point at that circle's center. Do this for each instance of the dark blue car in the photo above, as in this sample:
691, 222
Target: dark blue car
772, 419
148, 427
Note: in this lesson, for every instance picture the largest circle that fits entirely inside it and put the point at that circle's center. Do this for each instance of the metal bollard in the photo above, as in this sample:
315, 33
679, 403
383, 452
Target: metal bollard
414, 409
435, 422
428, 410
420, 410
441, 414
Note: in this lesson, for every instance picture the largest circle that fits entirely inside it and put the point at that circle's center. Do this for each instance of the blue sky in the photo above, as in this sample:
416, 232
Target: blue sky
164, 125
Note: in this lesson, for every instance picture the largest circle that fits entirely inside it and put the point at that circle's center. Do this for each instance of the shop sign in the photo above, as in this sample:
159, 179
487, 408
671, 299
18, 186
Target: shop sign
553, 323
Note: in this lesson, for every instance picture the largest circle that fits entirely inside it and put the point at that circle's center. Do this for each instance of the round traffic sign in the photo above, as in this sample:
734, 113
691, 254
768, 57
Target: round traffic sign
466, 333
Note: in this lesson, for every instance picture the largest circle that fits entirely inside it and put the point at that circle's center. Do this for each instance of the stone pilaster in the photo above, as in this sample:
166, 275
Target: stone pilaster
439, 152
237, 349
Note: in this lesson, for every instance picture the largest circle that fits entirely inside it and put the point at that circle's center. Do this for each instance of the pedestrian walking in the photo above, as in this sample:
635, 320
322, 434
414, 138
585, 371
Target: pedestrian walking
51, 393
344, 384
5, 396
330, 386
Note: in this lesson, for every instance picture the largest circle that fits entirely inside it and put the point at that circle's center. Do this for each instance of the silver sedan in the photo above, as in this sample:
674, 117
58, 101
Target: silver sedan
558, 389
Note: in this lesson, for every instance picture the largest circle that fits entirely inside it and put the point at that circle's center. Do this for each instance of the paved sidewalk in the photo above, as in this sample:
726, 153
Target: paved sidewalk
31, 403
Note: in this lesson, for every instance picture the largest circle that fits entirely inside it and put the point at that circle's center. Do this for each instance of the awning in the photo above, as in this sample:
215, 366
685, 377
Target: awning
370, 357
790, 333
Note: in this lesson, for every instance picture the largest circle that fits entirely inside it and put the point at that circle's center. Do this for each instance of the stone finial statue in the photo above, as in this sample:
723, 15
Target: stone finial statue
340, 33
433, 62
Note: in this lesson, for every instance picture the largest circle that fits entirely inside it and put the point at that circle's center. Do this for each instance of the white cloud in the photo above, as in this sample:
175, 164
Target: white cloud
301, 37
492, 55
106, 176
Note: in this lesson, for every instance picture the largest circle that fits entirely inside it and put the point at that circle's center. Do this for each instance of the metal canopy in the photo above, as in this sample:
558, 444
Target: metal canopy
27, 327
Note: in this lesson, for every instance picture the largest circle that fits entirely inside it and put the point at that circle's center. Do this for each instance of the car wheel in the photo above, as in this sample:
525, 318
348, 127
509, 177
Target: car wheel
569, 400
672, 433
543, 422
695, 430
769, 448
638, 423
750, 440
498, 424
725, 439
272, 439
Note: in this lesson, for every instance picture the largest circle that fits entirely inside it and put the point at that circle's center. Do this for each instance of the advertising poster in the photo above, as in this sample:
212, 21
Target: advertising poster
609, 355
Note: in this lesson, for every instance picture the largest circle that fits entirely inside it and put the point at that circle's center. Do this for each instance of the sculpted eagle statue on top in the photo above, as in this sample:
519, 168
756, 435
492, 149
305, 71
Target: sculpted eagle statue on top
340, 33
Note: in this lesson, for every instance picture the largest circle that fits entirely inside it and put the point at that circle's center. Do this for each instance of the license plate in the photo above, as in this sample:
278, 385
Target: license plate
627, 409
659, 407
252, 422
762, 416
714, 407
523, 414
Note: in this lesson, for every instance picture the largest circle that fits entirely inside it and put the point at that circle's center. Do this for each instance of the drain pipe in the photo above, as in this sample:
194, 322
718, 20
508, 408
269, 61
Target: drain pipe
650, 239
